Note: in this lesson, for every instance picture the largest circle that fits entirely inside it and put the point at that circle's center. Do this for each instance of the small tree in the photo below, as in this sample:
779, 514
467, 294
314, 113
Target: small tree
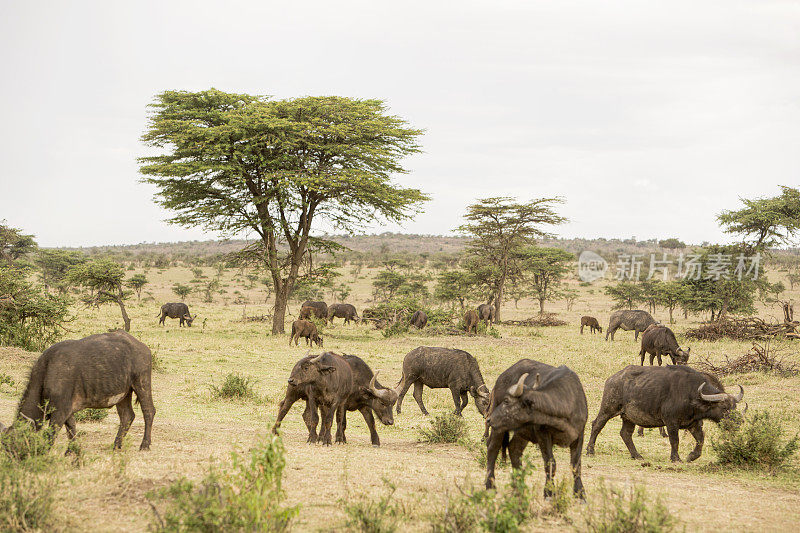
104, 280
765, 222
670, 295
624, 294
544, 269
14, 244
672, 244
137, 283
454, 286
181, 291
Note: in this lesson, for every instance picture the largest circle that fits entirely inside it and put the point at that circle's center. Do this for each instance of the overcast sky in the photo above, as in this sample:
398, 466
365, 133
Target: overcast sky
649, 118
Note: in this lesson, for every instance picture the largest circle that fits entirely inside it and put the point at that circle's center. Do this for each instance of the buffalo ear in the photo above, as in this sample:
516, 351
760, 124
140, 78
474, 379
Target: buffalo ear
327, 369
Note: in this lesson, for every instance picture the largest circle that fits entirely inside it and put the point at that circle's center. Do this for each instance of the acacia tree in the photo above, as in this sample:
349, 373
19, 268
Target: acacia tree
236, 163
104, 280
500, 229
765, 222
544, 269
137, 283
454, 286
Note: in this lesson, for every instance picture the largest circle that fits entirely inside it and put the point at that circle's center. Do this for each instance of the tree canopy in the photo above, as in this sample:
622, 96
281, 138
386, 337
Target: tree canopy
765, 222
236, 163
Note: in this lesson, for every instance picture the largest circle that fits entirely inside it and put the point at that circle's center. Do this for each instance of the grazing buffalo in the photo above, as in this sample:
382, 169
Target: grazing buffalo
368, 396
660, 340
628, 320
306, 329
311, 309
677, 397
592, 323
95, 372
325, 381
487, 313
419, 319
346, 311
176, 310
541, 404
443, 368
471, 321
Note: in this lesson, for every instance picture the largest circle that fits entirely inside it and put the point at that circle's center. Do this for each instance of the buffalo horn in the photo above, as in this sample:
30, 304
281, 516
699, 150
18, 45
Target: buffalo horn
380, 393
517, 389
739, 396
711, 397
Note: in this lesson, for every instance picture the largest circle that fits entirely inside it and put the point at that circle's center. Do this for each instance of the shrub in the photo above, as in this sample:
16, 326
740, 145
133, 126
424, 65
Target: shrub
245, 496
398, 328
24, 443
753, 442
26, 498
621, 511
374, 516
91, 415
5, 379
235, 387
156, 362
445, 428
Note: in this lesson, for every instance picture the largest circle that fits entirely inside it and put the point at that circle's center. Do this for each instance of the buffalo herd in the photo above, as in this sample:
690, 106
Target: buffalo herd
531, 402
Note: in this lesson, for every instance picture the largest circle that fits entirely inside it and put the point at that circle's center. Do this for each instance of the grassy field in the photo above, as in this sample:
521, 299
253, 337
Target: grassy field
192, 429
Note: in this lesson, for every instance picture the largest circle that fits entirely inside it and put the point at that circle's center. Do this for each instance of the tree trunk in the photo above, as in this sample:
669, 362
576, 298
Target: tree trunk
279, 316
125, 318
670, 316
541, 306
498, 299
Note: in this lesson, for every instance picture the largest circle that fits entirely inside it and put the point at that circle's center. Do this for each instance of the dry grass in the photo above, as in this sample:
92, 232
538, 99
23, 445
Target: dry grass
191, 427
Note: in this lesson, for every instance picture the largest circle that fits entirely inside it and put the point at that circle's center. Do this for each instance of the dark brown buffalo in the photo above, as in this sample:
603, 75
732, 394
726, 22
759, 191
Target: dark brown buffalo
487, 313
368, 397
627, 320
311, 309
677, 397
176, 310
419, 319
346, 311
326, 382
443, 368
471, 321
95, 372
306, 329
592, 323
660, 340
541, 404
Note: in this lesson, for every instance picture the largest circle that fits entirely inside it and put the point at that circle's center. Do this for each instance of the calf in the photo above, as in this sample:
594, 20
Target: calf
471, 321
306, 329
443, 368
419, 319
592, 323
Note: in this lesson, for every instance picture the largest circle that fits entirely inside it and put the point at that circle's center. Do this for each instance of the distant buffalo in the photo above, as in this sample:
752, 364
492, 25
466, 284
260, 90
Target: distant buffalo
471, 321
95, 372
346, 311
176, 310
627, 320
419, 319
487, 313
592, 324
443, 368
307, 330
660, 340
311, 309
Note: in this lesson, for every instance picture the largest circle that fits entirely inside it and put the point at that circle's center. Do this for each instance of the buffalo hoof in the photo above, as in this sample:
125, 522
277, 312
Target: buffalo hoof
144, 448
675, 459
692, 457
637, 456
376, 445
589, 451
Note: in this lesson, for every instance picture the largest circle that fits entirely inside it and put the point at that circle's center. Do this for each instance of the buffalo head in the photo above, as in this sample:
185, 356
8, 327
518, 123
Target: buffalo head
189, 319
719, 404
682, 357
307, 371
383, 400
482, 397
511, 411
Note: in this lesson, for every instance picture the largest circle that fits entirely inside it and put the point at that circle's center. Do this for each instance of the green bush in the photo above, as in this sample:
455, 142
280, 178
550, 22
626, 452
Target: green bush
398, 328
91, 415
753, 442
235, 387
374, 516
445, 428
245, 496
621, 511
24, 443
26, 497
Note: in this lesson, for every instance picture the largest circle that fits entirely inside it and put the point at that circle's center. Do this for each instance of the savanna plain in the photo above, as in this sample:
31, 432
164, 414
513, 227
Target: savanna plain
194, 430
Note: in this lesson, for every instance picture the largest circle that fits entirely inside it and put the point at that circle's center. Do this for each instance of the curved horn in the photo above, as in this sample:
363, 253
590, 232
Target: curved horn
372, 381
383, 394
517, 389
317, 358
538, 380
739, 396
711, 397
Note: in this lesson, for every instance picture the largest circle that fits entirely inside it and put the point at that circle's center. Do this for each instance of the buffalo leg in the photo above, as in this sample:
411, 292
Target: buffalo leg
456, 400
126, 416
465, 400
545, 441
284, 407
697, 432
328, 413
640, 432
311, 418
626, 433
575, 460
418, 396
406, 384
592, 330
641, 354
143, 390
341, 424
597, 426
673, 432
72, 429
493, 444
516, 447
366, 412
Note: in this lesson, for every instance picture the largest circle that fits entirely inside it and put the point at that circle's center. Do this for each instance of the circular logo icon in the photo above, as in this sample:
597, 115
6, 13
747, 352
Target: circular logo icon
591, 266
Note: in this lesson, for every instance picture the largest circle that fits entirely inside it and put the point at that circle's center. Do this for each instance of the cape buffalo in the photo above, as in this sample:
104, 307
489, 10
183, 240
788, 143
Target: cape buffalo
443, 368
677, 397
660, 340
487, 313
176, 310
95, 372
346, 311
306, 329
540, 404
419, 319
627, 320
471, 321
313, 309
326, 381
592, 323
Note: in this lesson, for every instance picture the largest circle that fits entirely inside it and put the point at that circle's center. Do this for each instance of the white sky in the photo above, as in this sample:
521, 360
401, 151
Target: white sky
647, 117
